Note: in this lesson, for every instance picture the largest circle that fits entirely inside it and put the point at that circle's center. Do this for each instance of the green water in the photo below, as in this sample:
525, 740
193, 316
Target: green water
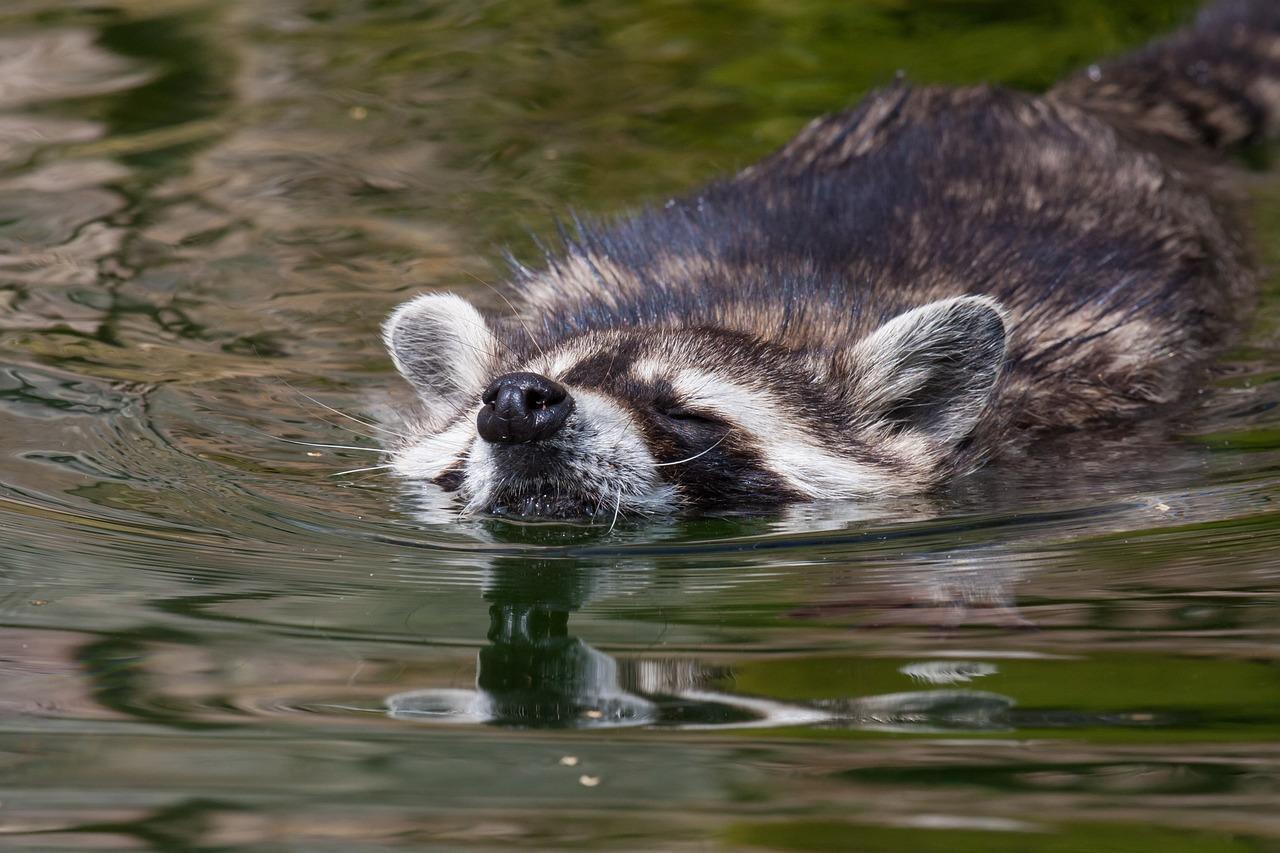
208, 641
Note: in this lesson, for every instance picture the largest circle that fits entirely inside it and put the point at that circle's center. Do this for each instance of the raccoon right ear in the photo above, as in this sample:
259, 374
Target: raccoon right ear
442, 345
932, 369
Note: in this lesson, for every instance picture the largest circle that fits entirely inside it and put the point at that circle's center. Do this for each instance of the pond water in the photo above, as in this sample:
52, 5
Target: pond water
214, 637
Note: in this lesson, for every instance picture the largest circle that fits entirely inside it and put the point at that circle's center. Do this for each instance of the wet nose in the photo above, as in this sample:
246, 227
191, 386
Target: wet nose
522, 407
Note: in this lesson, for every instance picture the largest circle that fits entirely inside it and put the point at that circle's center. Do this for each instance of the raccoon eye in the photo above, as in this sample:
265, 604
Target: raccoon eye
679, 413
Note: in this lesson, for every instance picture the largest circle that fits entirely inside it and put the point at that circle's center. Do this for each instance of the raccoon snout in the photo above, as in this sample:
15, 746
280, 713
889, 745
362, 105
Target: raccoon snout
522, 407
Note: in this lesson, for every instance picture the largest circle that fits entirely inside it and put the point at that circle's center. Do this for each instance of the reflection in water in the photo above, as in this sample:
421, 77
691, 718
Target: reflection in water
535, 674
208, 208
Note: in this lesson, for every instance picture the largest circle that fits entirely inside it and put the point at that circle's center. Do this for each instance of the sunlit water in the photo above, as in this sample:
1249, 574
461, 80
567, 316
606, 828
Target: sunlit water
211, 638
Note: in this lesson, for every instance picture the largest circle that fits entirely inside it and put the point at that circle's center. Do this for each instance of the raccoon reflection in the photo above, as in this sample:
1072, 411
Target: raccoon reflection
906, 290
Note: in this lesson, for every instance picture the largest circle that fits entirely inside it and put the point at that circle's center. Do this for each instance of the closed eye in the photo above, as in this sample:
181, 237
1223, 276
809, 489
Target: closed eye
682, 413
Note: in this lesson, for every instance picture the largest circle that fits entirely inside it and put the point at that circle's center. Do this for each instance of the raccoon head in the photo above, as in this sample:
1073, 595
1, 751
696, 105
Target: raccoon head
651, 418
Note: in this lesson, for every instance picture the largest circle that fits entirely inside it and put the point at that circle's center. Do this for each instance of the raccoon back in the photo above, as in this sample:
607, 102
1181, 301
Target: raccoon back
1119, 269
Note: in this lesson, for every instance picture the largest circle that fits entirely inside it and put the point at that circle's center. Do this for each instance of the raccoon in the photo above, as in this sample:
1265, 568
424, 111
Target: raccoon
907, 290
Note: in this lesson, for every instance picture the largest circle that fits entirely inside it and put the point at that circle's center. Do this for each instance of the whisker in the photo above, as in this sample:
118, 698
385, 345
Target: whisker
345, 428
617, 508
361, 470
514, 312
342, 414
329, 446
696, 455
612, 361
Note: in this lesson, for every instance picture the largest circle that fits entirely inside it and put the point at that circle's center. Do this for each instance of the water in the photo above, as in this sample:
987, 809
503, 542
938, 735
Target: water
212, 640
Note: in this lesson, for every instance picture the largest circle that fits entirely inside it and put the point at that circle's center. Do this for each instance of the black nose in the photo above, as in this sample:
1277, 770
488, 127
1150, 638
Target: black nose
522, 407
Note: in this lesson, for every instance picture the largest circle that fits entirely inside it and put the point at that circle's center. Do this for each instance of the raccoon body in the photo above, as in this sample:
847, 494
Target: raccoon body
904, 291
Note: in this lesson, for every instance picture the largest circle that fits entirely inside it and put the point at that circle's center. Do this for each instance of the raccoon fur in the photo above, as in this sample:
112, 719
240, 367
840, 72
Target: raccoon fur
904, 291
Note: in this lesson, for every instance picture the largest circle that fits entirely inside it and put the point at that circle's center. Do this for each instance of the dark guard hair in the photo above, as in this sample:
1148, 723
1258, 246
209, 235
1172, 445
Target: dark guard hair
914, 285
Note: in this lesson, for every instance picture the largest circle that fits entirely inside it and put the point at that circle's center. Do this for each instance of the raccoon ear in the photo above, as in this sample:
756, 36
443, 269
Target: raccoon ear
933, 368
442, 345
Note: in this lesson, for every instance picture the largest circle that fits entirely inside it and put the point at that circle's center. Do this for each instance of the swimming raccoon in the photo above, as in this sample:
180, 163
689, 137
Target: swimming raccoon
905, 290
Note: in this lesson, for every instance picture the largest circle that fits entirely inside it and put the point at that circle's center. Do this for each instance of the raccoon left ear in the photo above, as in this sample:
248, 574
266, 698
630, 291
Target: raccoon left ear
442, 345
932, 369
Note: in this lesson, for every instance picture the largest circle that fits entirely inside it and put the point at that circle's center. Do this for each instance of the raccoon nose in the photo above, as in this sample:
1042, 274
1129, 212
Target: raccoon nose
522, 407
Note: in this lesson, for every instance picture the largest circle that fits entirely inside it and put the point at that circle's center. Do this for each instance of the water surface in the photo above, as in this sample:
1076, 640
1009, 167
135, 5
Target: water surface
213, 638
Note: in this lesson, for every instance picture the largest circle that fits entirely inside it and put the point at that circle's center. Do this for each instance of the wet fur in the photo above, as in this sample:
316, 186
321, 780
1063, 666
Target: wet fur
1086, 216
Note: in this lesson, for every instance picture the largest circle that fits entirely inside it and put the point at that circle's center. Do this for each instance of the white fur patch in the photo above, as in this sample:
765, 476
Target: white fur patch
649, 369
560, 361
431, 455
800, 459
482, 477
441, 344
614, 447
